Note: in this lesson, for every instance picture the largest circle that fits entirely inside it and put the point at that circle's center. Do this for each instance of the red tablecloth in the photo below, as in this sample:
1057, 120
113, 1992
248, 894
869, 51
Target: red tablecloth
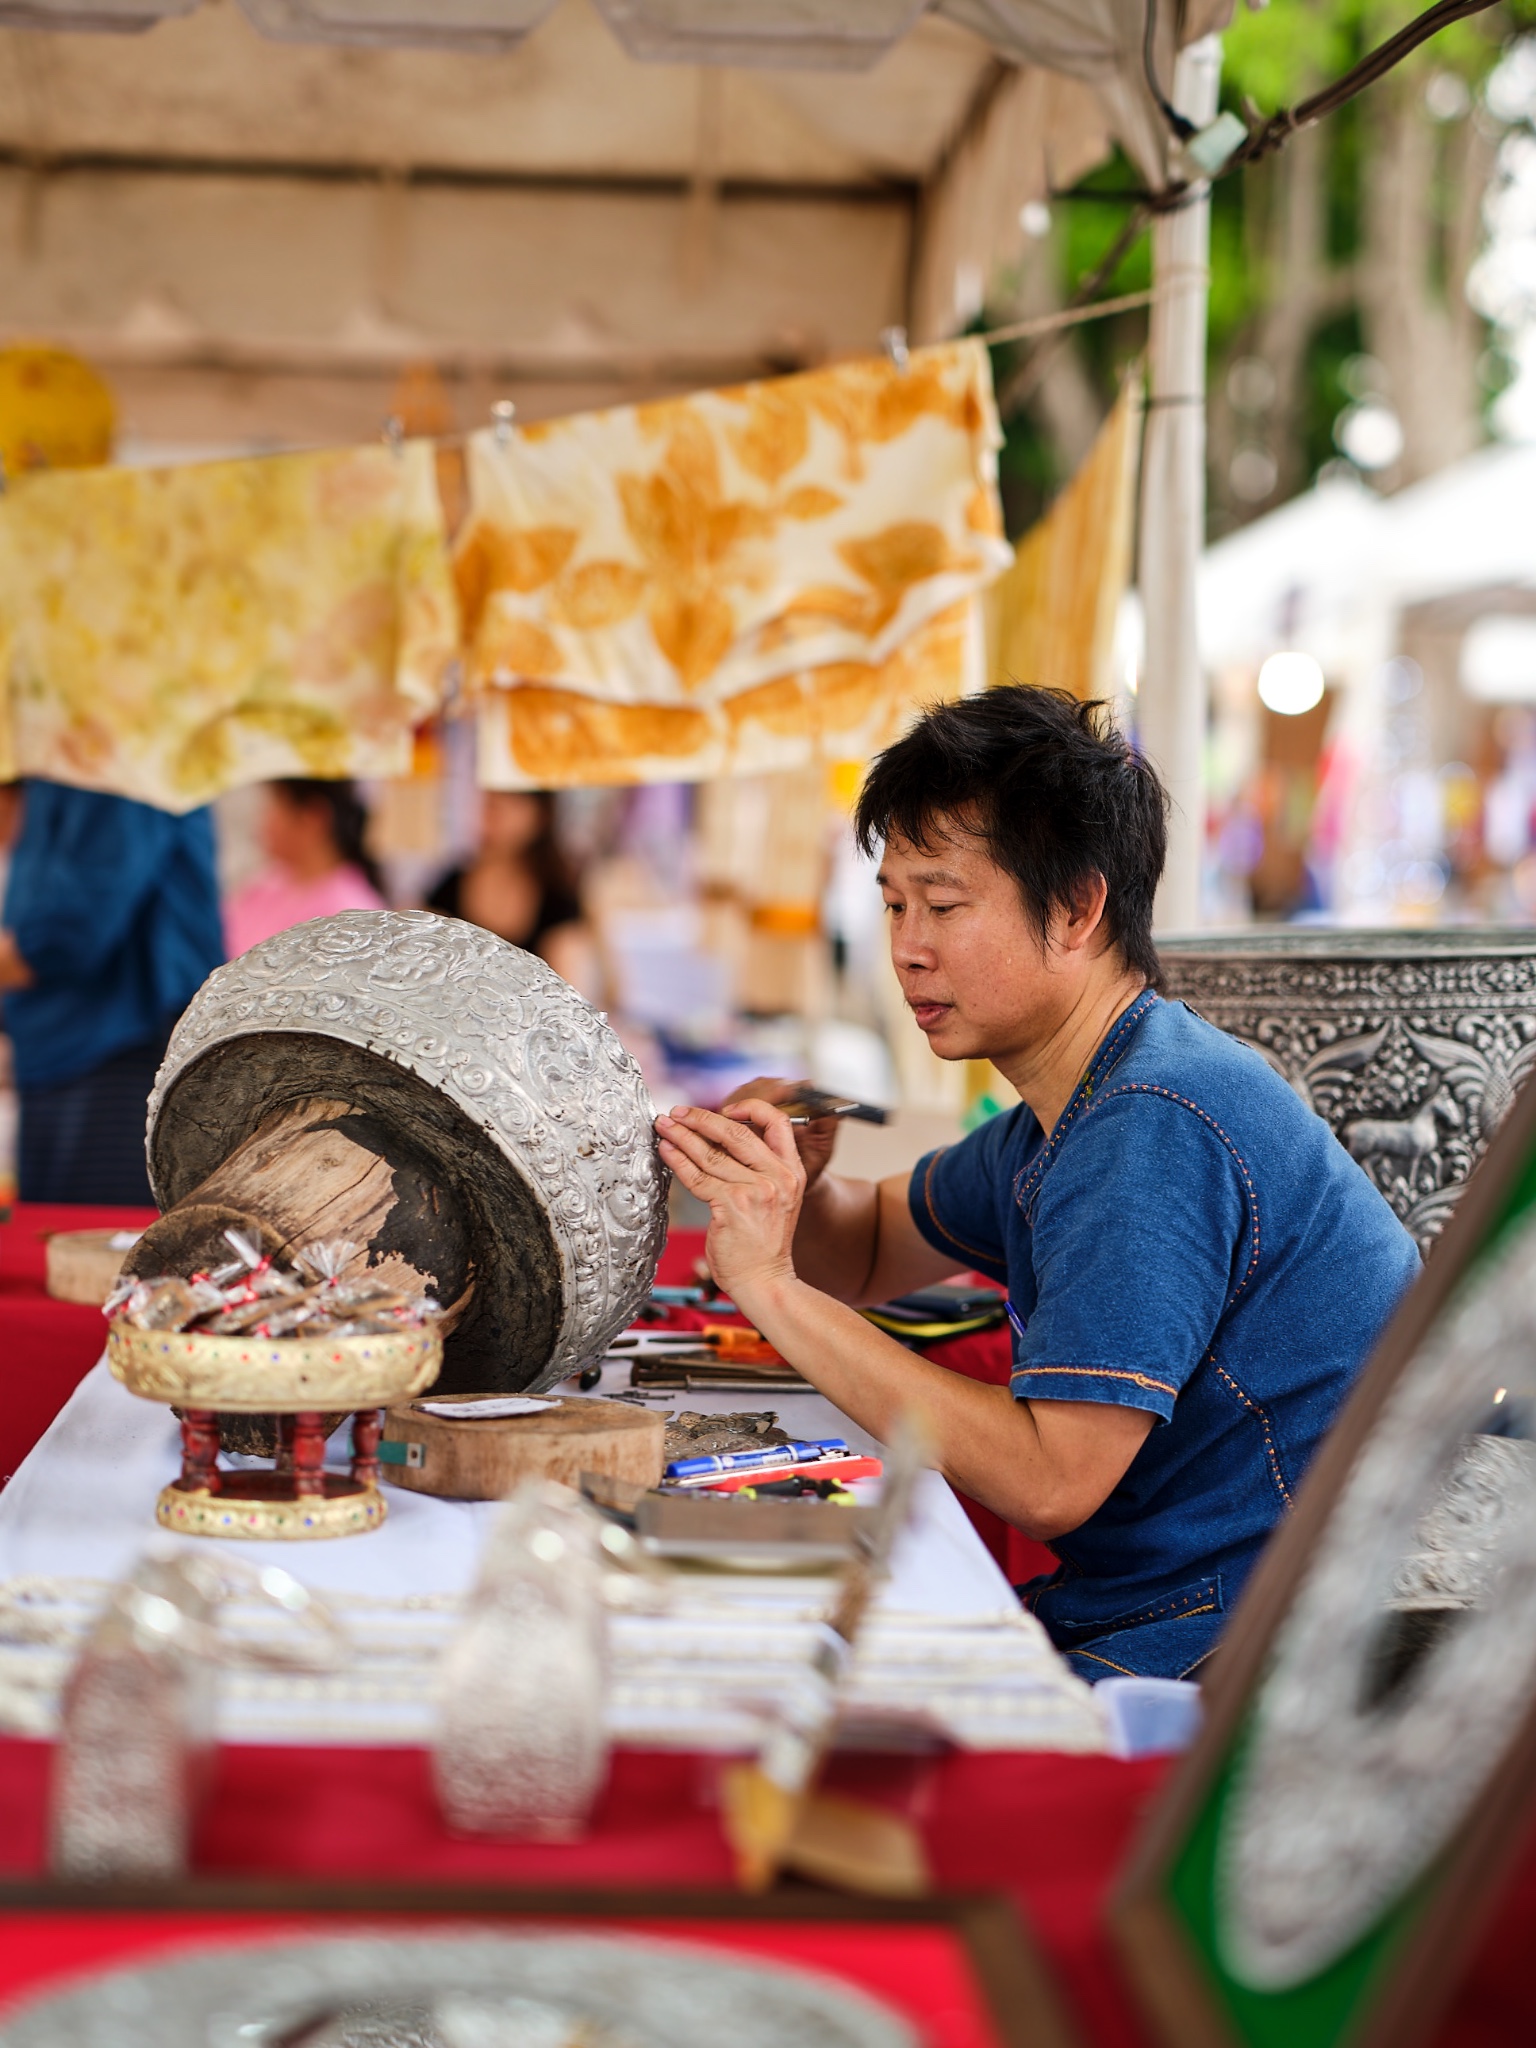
1049, 1830
46, 1347
918, 1970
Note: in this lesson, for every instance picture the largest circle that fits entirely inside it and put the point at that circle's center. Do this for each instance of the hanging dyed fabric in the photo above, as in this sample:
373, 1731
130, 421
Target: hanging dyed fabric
167, 634
1051, 619
743, 580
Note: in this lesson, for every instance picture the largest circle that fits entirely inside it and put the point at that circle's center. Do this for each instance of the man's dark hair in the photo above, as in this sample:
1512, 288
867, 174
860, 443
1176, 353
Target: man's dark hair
1052, 789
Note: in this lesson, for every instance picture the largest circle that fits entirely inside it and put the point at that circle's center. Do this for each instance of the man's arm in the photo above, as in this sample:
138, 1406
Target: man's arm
857, 1242
1043, 1465
14, 971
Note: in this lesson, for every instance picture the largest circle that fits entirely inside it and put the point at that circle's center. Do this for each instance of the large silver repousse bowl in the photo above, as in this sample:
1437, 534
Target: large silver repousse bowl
1410, 1044
513, 1087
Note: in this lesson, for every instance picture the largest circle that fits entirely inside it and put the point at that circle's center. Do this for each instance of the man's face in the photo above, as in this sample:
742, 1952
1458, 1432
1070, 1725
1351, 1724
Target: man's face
970, 962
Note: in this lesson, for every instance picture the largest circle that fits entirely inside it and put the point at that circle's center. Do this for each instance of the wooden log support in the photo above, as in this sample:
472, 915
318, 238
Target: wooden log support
323, 1171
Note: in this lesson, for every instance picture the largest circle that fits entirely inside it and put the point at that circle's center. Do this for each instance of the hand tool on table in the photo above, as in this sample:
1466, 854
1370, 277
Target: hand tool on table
700, 1372
830, 1475
759, 1457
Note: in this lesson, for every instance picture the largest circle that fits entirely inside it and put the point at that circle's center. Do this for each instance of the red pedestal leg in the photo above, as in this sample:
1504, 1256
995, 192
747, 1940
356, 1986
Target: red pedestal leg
200, 1449
308, 1456
367, 1427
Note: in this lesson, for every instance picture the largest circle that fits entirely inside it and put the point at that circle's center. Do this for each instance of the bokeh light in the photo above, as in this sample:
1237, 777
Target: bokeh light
1291, 684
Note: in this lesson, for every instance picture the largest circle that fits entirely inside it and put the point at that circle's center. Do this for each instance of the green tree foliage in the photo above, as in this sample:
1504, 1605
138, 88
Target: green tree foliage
1301, 250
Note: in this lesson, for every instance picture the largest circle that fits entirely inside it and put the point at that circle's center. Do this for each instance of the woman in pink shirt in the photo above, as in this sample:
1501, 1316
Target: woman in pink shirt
312, 835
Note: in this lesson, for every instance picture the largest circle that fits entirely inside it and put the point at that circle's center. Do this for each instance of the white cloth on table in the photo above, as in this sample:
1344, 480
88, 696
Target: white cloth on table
81, 1507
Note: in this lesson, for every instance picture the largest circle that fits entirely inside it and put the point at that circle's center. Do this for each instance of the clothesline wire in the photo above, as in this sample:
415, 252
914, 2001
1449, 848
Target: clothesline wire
894, 339
1068, 316
1022, 384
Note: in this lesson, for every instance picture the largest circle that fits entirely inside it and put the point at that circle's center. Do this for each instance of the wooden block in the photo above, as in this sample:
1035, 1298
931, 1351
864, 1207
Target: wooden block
83, 1265
471, 1460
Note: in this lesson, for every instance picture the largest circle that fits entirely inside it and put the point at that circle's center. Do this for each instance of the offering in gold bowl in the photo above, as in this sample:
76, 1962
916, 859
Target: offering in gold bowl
306, 1346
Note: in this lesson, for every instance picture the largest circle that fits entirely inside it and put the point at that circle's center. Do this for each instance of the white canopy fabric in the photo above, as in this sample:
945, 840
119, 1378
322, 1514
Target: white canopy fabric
1102, 43
1329, 572
253, 237
1099, 41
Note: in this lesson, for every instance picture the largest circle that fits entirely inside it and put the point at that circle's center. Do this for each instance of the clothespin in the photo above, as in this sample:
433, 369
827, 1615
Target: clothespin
894, 341
503, 412
394, 433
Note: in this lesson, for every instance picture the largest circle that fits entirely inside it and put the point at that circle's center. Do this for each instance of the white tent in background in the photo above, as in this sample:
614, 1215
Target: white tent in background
1421, 611
1334, 571
1472, 527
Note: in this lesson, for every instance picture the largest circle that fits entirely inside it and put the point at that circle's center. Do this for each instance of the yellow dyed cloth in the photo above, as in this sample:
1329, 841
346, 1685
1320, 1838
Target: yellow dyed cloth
1051, 618
168, 634
739, 580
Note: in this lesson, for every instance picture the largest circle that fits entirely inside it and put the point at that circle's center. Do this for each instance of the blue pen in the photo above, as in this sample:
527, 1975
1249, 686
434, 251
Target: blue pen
1018, 1322
761, 1454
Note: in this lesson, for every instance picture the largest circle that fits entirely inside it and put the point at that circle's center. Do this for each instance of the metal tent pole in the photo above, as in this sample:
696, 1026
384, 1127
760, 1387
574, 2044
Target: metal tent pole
1171, 703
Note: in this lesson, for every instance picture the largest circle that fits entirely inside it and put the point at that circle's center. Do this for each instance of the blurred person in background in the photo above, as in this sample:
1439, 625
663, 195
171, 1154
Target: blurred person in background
519, 885
313, 835
110, 926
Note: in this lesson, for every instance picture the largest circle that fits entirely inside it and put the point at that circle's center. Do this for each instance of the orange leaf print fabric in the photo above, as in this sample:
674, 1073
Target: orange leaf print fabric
167, 634
679, 556
533, 736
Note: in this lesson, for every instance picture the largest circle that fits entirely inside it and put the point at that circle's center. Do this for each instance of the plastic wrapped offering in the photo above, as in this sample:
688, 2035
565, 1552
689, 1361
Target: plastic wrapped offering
253, 1297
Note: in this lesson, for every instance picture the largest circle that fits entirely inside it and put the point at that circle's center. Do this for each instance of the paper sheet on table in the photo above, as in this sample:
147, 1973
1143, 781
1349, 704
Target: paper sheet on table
484, 1411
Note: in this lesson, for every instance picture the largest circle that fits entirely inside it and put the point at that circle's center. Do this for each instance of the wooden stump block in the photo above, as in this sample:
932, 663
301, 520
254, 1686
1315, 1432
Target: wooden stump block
83, 1265
482, 1460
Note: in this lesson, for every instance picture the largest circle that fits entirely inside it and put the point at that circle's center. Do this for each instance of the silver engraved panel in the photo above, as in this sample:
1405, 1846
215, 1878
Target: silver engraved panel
527, 1059
1349, 1788
1409, 1044
457, 1990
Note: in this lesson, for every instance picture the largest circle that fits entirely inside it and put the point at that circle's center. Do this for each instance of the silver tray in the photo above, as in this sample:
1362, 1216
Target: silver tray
455, 1990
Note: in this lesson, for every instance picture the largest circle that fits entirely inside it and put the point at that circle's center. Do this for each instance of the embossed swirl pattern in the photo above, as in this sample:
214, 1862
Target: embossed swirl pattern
1412, 1061
499, 1033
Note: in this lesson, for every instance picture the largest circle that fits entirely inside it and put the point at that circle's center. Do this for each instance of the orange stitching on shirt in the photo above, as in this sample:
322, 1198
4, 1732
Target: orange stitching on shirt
1093, 1655
1101, 1372
1095, 1658
1169, 1607
992, 1258
1253, 1407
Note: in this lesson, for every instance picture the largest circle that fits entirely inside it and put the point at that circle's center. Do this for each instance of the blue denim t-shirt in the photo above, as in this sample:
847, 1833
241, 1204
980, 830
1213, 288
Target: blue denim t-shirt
1194, 1241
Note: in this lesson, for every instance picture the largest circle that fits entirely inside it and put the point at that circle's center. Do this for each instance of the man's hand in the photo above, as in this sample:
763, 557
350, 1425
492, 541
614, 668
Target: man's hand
754, 1185
813, 1141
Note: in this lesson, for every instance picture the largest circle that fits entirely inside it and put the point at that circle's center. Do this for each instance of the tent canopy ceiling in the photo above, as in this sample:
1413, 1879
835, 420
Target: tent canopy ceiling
568, 103
253, 237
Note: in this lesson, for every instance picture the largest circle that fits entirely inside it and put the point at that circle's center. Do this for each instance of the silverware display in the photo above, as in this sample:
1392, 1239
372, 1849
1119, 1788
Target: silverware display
1410, 1044
527, 1115
387, 1989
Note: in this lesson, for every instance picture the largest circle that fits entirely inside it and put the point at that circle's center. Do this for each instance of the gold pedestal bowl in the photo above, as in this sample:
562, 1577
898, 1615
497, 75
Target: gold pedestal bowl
303, 1381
